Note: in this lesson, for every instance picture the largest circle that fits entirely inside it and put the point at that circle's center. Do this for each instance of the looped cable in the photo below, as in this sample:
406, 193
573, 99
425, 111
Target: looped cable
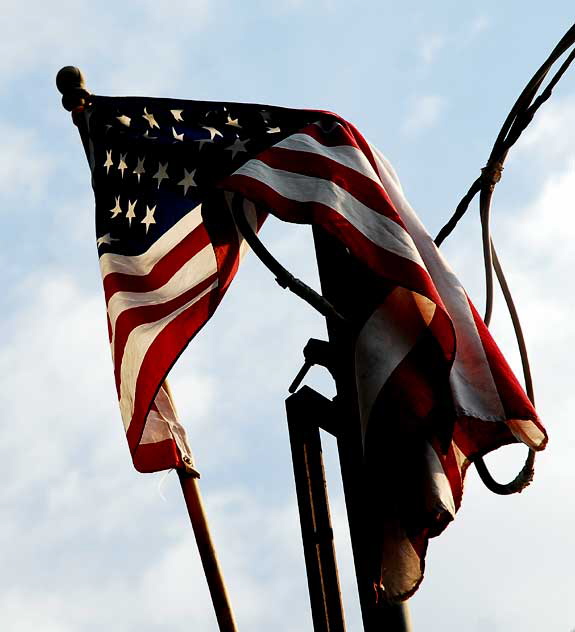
518, 119
516, 486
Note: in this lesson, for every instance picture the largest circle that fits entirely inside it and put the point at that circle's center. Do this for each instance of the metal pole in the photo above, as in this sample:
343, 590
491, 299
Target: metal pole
212, 570
303, 410
335, 266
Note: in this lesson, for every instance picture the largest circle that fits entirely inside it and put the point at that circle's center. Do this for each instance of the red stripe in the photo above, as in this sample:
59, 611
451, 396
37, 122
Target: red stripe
513, 398
162, 271
153, 457
362, 144
360, 186
337, 136
476, 437
343, 134
159, 358
387, 264
224, 237
136, 316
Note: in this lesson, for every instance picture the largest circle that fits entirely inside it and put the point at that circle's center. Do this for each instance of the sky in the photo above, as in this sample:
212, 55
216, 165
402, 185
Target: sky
87, 543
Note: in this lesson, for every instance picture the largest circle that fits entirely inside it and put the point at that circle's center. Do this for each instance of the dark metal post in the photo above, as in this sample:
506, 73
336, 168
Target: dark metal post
335, 263
304, 408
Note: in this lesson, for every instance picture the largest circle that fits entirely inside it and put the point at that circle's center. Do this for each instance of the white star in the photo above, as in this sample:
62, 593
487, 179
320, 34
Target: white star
117, 209
177, 114
125, 120
233, 122
149, 219
177, 136
104, 240
273, 130
239, 145
109, 162
122, 166
139, 170
162, 173
148, 137
213, 132
130, 214
188, 180
150, 118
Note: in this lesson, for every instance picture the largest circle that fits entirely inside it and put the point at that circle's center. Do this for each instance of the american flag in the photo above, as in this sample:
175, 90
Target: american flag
434, 390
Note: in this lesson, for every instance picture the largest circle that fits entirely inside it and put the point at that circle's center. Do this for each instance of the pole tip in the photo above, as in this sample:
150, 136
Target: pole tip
71, 83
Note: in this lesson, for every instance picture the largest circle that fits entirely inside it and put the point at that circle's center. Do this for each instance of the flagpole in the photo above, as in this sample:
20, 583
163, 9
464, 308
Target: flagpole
71, 83
208, 556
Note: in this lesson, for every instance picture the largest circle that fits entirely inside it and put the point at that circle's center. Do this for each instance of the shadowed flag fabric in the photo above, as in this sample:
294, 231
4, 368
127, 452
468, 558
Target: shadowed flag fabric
434, 389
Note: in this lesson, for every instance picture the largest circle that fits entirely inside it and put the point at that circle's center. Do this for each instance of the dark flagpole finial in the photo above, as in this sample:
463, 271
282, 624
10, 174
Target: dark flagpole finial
70, 82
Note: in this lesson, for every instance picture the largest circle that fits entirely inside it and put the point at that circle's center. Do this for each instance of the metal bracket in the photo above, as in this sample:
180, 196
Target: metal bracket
323, 411
315, 352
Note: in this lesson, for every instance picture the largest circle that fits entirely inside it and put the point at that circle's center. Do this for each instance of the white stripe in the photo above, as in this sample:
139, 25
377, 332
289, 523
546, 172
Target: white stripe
379, 229
385, 169
439, 495
137, 345
384, 341
252, 219
141, 265
401, 566
345, 155
527, 431
164, 424
202, 265
250, 213
471, 379
459, 457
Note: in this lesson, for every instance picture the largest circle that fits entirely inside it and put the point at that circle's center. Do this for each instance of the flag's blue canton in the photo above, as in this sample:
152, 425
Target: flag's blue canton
157, 159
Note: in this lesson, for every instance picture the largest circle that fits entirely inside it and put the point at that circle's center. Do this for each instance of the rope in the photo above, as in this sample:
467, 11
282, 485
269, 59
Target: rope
517, 120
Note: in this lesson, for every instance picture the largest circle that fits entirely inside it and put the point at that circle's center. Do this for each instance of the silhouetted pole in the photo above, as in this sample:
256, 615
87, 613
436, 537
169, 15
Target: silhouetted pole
304, 410
335, 266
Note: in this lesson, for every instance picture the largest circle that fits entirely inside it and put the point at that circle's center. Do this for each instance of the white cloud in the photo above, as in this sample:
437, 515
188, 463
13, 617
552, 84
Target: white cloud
424, 113
430, 47
128, 47
25, 166
550, 138
116, 543
539, 250
53, 350
293, 5
480, 24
